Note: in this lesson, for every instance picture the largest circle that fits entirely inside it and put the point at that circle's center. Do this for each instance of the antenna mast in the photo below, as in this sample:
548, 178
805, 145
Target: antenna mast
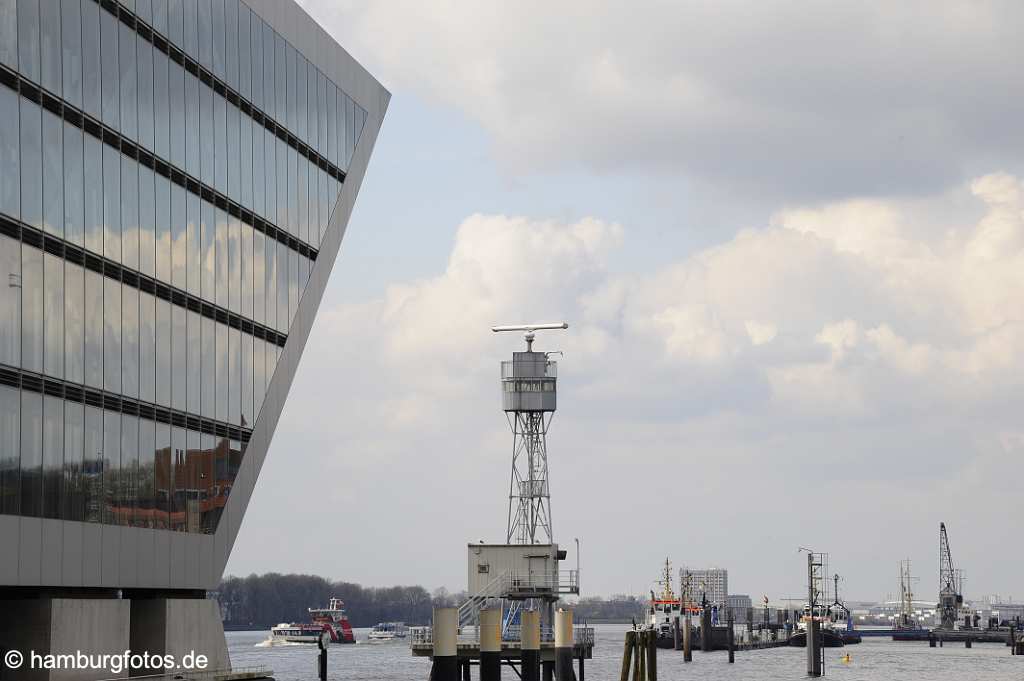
529, 399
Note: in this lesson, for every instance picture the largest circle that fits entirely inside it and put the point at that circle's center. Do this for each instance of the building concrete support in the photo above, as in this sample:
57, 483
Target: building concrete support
62, 626
179, 627
446, 651
490, 644
529, 645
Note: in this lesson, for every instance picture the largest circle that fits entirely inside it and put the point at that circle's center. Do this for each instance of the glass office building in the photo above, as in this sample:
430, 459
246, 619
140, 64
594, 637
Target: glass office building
175, 177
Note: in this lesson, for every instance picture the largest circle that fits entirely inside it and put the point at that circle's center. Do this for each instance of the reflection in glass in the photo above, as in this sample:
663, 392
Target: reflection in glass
31, 164
93, 194
162, 205
259, 268
49, 46
163, 352
147, 347
74, 185
9, 33
194, 368
161, 112
144, 50
93, 329
222, 373
179, 354
111, 203
92, 469
208, 230
28, 39
74, 322
206, 132
178, 236
234, 376
193, 237
231, 41
128, 475
192, 151
282, 287
111, 466
256, 50
31, 453
53, 174
10, 450
129, 83
31, 308
10, 151
73, 506
144, 478
247, 275
247, 371
208, 370
259, 375
130, 212
10, 301
91, 91
53, 456
221, 237
53, 315
147, 227
111, 335
130, 341
162, 476
234, 264
111, 73
270, 286
243, 169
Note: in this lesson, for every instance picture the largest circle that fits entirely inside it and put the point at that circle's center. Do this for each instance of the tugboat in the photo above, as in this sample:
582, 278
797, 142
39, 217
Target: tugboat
331, 620
830, 637
665, 607
840, 620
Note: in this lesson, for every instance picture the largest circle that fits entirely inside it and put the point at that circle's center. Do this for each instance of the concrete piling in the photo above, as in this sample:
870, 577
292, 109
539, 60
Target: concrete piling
687, 652
529, 644
968, 642
652, 656
705, 630
813, 648
563, 646
445, 630
729, 634
677, 641
490, 644
931, 639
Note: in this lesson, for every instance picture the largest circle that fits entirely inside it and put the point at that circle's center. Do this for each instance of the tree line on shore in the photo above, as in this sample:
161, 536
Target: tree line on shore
261, 601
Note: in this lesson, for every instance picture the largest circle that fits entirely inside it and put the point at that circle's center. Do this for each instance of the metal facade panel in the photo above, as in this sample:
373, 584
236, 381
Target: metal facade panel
128, 567
71, 556
92, 554
10, 535
111, 556
52, 551
30, 547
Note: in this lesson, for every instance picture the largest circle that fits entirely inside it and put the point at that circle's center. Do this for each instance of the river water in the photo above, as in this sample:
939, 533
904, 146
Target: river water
872, 660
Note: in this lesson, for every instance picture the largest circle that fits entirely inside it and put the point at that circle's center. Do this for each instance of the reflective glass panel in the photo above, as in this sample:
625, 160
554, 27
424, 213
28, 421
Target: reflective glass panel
91, 60
32, 308
147, 226
111, 335
161, 110
74, 185
53, 315
179, 356
10, 450
111, 466
194, 368
162, 215
74, 322
222, 373
178, 236
73, 507
234, 376
234, 264
53, 174
129, 83
208, 371
128, 497
194, 243
31, 164
259, 269
111, 76
162, 476
222, 258
147, 347
93, 329
144, 50
93, 175
163, 352
28, 38
71, 50
53, 456
9, 33
92, 469
10, 152
130, 341
130, 212
10, 301
31, 453
145, 487
208, 230
111, 203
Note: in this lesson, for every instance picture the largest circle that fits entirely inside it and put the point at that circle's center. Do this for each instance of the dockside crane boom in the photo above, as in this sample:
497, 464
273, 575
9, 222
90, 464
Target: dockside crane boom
950, 597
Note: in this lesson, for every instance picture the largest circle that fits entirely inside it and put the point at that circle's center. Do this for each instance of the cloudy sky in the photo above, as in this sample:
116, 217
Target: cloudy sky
788, 240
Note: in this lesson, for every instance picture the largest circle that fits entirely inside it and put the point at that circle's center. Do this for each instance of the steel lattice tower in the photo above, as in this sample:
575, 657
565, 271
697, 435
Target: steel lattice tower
529, 398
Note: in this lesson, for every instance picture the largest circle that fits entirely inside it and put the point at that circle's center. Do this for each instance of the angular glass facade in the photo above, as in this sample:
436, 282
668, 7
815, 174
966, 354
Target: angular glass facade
167, 173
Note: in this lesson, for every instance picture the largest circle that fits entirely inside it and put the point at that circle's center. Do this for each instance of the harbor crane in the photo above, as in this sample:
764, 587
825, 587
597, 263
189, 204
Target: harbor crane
950, 584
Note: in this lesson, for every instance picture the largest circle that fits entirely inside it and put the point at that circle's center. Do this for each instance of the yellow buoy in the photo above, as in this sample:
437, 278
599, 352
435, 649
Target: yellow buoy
846, 659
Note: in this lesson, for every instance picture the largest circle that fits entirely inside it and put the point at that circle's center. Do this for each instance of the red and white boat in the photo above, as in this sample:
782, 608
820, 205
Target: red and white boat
331, 620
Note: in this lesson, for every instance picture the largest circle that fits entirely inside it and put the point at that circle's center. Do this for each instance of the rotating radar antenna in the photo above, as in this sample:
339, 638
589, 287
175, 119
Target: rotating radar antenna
528, 384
